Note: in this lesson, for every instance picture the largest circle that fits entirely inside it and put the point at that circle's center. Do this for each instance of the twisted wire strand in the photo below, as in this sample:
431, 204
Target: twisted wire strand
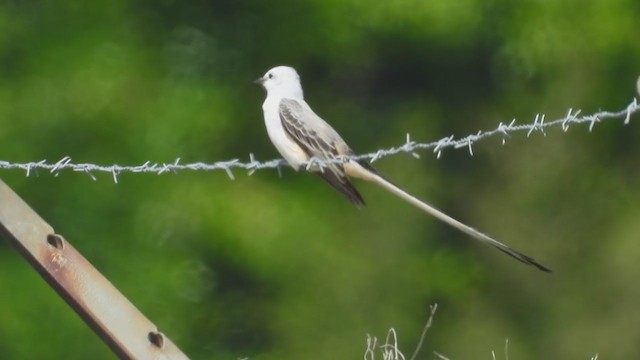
573, 117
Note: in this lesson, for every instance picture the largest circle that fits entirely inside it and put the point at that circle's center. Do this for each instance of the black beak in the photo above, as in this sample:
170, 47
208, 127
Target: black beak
259, 81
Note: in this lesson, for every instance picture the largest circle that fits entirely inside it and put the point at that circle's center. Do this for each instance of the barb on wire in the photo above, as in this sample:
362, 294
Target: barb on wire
409, 146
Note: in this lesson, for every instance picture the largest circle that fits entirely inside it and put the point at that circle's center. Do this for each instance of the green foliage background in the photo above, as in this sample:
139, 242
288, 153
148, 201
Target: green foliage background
271, 267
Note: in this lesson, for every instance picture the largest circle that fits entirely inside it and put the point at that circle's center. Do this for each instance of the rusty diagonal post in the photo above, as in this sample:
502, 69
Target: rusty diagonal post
109, 314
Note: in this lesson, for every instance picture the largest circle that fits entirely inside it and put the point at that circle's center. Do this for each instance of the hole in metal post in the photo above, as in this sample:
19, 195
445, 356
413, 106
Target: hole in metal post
56, 241
156, 338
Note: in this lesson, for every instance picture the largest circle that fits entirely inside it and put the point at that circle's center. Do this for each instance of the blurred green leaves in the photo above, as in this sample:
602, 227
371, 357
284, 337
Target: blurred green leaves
273, 267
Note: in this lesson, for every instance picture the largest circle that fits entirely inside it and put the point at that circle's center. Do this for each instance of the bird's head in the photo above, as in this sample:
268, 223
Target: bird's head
282, 81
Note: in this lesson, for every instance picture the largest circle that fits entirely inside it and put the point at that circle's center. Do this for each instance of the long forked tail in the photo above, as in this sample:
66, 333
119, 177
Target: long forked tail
378, 179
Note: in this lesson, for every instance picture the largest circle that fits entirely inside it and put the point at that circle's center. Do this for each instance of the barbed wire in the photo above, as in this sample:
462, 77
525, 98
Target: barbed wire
539, 124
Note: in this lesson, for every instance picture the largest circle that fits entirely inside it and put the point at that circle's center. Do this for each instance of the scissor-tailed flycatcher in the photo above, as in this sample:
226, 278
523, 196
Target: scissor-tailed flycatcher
299, 135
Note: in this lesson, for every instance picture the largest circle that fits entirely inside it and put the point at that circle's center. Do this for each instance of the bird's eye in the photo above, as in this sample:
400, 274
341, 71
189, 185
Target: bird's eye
270, 76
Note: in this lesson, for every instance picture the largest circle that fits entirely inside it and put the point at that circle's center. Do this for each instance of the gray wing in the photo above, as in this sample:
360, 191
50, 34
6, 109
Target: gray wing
318, 139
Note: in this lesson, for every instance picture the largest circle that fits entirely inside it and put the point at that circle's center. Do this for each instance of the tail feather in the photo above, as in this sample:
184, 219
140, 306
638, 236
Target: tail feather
375, 176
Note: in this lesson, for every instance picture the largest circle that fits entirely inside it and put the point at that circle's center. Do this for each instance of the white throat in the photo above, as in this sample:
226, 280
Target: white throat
289, 90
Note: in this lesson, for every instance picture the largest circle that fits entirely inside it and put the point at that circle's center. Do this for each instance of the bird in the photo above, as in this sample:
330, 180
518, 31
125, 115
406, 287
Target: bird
300, 135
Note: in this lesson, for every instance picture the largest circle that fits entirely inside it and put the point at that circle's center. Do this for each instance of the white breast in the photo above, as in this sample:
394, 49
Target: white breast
288, 148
